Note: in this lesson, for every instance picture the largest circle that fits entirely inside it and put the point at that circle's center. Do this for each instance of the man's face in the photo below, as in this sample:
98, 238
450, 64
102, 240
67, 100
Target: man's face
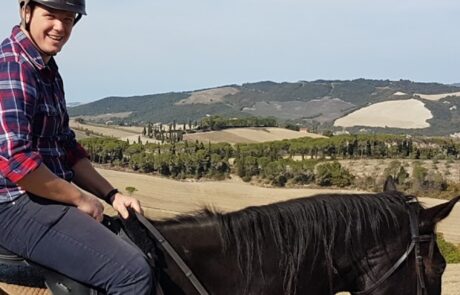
49, 28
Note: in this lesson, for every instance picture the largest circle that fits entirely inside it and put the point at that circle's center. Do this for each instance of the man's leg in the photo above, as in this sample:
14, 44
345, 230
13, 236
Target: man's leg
69, 241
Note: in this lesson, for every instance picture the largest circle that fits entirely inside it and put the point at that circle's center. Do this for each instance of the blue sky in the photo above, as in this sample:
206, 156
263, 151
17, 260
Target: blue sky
143, 46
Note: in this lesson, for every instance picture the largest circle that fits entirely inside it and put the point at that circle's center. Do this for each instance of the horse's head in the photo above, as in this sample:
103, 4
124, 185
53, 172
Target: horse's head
417, 268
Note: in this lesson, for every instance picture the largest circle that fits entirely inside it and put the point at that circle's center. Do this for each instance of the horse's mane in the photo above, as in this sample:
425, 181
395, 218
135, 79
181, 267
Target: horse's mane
309, 226
305, 228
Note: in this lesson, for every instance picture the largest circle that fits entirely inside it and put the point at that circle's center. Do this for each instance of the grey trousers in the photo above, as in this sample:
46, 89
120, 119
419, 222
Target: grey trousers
67, 240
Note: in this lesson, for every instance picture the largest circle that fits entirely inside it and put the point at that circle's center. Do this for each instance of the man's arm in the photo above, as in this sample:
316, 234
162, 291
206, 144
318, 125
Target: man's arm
44, 183
87, 178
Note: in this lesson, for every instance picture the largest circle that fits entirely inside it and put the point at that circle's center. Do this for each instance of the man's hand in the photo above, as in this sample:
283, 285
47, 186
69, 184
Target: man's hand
91, 206
121, 203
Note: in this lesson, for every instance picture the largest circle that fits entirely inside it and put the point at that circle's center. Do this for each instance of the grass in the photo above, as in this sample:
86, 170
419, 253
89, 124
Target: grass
450, 251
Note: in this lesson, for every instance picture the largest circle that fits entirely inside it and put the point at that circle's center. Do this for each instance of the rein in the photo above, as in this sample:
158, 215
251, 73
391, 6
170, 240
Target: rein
416, 240
173, 254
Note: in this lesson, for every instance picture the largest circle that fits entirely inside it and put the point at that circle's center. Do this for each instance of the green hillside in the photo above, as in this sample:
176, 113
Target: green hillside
302, 103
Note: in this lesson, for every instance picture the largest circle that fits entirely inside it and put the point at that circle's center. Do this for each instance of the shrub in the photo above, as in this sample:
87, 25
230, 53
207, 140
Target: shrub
303, 178
130, 190
392, 169
450, 252
419, 174
333, 174
279, 181
246, 178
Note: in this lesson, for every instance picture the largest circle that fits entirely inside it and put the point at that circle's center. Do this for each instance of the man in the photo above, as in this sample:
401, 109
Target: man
43, 217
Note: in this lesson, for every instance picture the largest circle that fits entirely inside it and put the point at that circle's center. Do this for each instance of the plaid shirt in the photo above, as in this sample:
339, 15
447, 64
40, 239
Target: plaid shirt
34, 124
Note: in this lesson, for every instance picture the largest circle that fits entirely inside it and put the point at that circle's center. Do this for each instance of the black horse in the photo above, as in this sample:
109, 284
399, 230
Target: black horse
361, 243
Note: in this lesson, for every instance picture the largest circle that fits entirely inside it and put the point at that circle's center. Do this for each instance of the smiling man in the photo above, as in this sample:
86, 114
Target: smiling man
43, 216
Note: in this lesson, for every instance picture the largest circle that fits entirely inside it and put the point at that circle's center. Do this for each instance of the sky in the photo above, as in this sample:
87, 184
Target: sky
144, 47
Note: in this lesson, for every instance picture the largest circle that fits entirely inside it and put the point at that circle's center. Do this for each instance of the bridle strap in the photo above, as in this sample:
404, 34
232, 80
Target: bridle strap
415, 234
173, 254
416, 240
389, 272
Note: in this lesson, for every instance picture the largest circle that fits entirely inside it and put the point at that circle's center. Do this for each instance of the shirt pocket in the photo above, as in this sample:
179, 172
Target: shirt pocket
46, 121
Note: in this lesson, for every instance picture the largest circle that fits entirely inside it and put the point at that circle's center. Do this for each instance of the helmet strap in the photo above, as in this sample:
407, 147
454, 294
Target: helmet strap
77, 18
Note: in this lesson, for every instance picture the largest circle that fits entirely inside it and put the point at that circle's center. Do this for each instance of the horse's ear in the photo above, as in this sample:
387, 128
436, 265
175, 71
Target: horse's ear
390, 185
437, 213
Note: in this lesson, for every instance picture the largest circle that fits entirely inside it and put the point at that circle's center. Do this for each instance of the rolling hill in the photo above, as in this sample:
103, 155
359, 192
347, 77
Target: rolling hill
320, 102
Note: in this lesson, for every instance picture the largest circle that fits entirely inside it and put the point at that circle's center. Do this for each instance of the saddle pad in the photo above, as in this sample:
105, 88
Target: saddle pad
9, 289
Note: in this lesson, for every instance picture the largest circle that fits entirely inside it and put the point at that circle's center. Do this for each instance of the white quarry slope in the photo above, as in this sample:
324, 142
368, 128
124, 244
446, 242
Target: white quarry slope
406, 114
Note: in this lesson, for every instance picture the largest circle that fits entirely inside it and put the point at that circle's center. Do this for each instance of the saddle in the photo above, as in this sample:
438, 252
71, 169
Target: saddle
37, 276
135, 233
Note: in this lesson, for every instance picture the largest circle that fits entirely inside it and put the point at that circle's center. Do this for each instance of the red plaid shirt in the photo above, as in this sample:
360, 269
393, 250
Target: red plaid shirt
34, 124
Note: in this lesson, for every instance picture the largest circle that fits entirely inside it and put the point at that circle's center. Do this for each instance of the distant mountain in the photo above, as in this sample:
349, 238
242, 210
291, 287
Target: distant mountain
456, 84
306, 103
73, 104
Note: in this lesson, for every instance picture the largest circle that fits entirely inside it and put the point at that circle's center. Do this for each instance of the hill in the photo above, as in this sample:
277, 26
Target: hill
315, 103
231, 135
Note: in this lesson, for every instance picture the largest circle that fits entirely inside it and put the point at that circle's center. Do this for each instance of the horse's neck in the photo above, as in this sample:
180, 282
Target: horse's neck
201, 248
356, 260
190, 235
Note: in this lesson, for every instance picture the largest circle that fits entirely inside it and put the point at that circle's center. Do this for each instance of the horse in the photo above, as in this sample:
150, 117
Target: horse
380, 244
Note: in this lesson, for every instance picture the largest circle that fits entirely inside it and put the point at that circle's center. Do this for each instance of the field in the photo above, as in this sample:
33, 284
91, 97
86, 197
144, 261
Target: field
114, 131
232, 135
248, 135
165, 198
130, 133
210, 96
393, 114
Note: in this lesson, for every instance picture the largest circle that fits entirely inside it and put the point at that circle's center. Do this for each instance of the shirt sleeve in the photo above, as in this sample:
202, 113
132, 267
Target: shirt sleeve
74, 151
17, 103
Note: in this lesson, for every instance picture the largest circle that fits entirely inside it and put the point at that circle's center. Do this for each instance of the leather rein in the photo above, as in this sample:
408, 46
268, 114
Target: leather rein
173, 254
416, 240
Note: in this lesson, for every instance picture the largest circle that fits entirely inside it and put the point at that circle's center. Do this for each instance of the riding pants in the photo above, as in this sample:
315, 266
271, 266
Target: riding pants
64, 239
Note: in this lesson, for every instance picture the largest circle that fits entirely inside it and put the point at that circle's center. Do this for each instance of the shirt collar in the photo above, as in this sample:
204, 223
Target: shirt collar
32, 53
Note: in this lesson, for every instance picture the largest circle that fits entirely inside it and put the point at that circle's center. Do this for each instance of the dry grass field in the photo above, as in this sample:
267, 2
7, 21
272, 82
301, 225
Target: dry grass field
393, 114
114, 131
130, 133
248, 135
210, 96
232, 135
165, 198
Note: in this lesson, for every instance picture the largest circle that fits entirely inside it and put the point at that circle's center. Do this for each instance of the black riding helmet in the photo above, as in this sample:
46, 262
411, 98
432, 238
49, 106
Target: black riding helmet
76, 6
